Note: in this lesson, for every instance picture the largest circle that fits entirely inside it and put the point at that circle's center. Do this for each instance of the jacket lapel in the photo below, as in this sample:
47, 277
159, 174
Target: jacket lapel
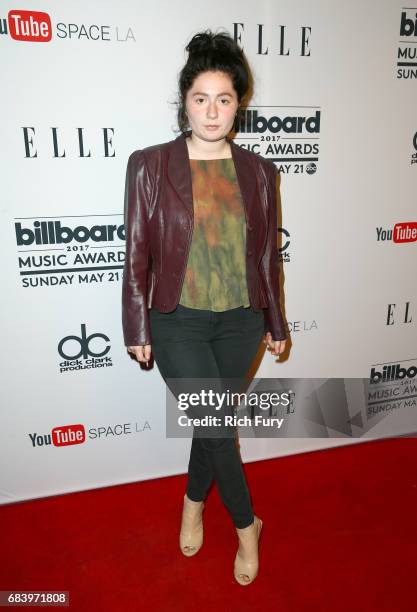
179, 174
179, 171
246, 177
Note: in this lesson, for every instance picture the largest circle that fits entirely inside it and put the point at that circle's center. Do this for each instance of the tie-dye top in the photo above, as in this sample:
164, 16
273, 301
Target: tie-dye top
215, 277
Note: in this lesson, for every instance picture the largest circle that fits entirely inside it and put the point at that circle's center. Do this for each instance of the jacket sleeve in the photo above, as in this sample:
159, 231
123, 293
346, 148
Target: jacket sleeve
135, 316
274, 322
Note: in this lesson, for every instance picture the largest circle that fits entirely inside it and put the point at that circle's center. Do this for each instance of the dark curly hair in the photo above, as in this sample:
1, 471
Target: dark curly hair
209, 51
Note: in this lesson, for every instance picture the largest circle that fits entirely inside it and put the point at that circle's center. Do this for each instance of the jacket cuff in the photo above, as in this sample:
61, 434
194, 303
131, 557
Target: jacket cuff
274, 324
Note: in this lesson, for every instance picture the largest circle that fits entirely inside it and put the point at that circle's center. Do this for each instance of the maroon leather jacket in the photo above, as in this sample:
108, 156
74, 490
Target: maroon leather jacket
158, 209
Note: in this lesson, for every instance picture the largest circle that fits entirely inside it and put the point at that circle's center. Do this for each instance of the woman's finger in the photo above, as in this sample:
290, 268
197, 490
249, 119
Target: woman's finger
141, 353
147, 352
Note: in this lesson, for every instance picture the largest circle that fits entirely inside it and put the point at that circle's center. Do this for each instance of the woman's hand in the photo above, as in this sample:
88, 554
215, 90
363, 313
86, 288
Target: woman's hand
276, 347
142, 353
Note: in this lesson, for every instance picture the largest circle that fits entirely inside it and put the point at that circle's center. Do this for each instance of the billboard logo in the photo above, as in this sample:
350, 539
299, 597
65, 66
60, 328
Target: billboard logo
408, 27
392, 373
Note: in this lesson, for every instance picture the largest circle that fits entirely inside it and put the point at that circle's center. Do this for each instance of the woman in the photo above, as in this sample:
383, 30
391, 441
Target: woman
200, 284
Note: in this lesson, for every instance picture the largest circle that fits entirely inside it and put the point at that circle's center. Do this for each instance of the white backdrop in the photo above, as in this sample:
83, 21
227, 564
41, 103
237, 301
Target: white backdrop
76, 103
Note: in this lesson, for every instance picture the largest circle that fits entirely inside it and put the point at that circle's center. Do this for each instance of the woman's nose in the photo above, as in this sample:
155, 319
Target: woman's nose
212, 110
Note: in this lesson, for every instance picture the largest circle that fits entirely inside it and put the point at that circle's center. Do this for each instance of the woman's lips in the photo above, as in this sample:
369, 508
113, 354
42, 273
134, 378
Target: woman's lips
212, 127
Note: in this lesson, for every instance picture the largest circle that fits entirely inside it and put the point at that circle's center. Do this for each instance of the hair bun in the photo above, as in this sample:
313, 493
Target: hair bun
200, 43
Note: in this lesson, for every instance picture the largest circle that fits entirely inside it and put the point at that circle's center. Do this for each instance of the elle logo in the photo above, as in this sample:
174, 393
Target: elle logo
30, 26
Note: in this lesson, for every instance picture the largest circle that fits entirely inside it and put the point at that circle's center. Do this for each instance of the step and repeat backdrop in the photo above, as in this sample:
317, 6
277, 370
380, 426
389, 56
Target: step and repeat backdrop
84, 85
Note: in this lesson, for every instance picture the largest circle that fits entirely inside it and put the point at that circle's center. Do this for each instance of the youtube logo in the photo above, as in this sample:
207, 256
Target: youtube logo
30, 26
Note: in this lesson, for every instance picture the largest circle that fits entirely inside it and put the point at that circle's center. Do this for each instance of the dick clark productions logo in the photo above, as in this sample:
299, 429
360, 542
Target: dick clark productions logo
84, 352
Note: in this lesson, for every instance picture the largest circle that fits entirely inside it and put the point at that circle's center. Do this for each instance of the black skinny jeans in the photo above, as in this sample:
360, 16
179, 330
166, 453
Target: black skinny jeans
193, 343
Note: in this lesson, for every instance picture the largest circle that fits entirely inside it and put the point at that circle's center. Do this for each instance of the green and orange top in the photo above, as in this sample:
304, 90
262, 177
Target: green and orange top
215, 277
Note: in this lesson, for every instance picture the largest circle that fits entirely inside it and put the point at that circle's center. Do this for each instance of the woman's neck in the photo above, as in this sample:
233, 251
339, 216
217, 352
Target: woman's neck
198, 149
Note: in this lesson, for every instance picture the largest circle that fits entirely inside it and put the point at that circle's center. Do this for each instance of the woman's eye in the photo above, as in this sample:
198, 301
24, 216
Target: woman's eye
225, 100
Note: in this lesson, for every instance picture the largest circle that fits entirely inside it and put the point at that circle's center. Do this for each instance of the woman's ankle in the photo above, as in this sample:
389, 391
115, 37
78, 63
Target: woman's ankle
196, 501
246, 524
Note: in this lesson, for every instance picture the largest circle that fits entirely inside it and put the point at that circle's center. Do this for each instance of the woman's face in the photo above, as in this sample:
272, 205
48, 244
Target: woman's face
211, 101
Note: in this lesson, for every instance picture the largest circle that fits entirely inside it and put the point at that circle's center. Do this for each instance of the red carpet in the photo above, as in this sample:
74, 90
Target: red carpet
339, 534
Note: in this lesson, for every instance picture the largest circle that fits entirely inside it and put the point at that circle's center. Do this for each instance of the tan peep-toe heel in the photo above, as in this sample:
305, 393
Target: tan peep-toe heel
247, 559
191, 533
